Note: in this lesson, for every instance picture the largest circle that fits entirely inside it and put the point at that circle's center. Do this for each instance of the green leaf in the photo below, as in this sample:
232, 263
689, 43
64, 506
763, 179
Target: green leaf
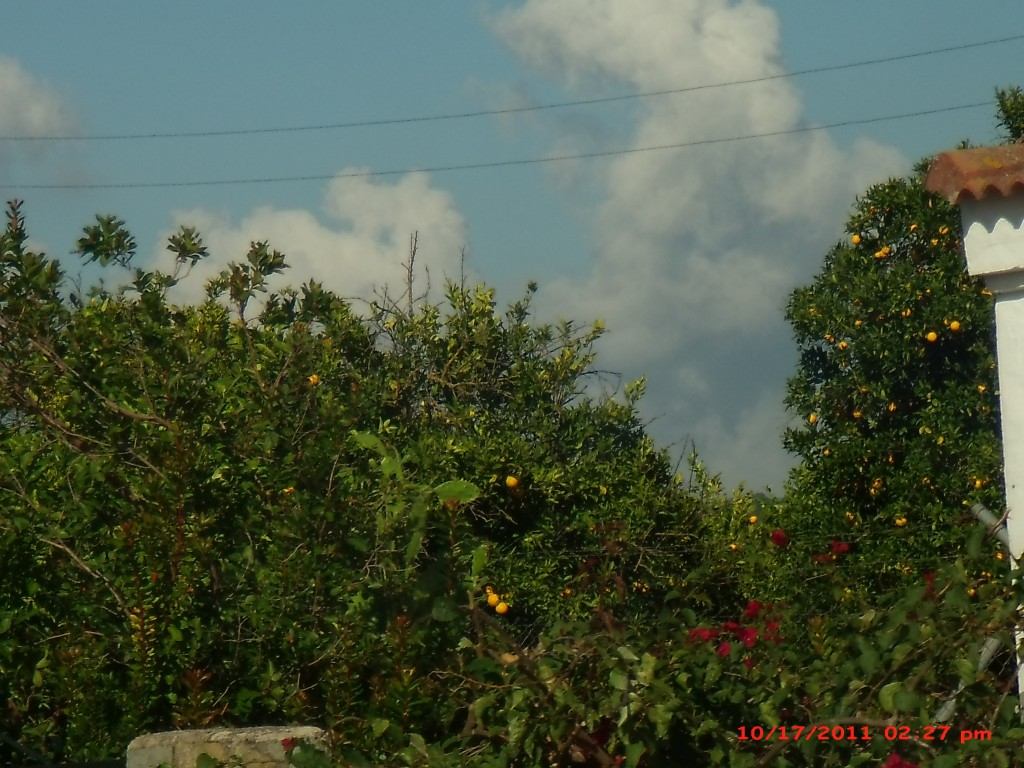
633, 754
966, 670
479, 561
379, 726
207, 761
412, 550
627, 654
459, 491
444, 609
417, 742
618, 680
370, 441
887, 696
869, 659
176, 635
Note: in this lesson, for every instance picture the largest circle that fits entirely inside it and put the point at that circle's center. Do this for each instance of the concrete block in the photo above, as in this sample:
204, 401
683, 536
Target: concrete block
255, 747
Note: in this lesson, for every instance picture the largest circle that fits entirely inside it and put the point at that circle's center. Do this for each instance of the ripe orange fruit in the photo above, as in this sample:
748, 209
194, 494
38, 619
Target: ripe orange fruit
971, 591
511, 482
843, 345
813, 418
493, 599
855, 239
501, 608
932, 336
954, 326
900, 522
753, 519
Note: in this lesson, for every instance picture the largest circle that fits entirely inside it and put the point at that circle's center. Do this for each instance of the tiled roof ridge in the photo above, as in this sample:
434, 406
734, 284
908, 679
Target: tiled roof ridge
977, 173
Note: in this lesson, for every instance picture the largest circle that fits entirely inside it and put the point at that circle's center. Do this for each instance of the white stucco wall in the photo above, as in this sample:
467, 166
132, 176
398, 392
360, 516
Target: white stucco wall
994, 244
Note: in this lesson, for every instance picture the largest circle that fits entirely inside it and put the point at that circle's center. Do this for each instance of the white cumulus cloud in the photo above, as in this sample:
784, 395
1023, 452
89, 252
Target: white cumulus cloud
360, 243
698, 248
28, 107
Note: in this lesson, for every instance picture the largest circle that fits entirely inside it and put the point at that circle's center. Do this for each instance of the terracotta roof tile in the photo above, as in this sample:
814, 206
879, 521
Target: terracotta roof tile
977, 173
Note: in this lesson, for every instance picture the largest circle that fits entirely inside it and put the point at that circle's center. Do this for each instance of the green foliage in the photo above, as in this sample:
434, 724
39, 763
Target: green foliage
897, 395
1011, 112
214, 519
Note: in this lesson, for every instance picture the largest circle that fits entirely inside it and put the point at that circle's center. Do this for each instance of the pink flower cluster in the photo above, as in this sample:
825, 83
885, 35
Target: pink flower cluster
746, 635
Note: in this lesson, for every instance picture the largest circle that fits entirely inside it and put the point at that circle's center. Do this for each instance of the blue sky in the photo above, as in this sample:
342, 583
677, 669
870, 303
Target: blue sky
687, 254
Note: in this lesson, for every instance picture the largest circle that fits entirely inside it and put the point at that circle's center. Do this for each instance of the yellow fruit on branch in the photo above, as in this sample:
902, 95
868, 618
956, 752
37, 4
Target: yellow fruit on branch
493, 599
932, 336
900, 522
812, 419
855, 239
752, 519
954, 326
501, 608
512, 482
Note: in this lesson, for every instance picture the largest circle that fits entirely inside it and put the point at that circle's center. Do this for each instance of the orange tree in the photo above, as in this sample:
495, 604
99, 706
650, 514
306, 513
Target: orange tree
896, 391
215, 514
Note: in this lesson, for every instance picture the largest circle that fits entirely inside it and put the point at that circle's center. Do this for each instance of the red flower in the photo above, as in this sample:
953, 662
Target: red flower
771, 631
779, 538
840, 547
747, 636
731, 626
724, 648
895, 761
753, 610
289, 744
748, 663
703, 634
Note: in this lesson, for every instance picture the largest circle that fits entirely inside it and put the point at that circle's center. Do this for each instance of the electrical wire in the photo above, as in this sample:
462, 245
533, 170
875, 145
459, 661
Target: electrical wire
513, 110
498, 163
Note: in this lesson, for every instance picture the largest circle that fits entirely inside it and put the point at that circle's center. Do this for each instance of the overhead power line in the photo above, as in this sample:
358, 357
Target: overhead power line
499, 163
511, 110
